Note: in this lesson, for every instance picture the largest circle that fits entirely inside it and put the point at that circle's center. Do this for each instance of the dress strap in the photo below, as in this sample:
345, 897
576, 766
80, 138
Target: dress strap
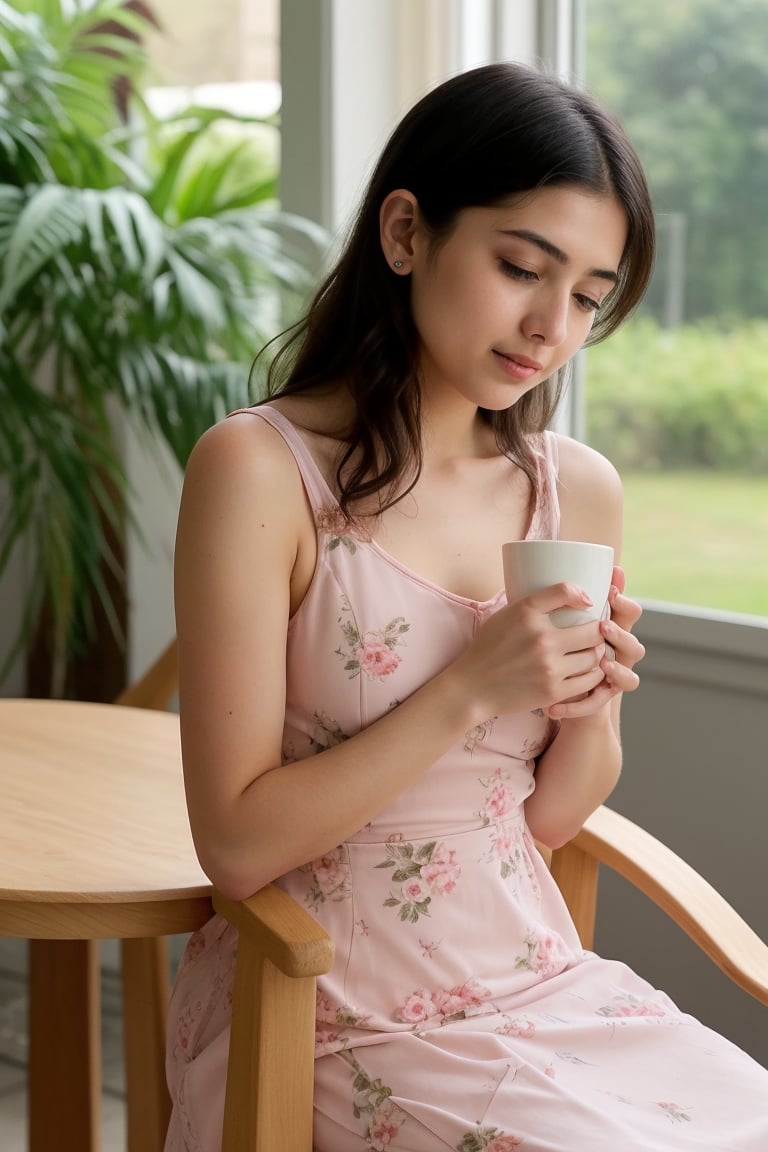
314, 482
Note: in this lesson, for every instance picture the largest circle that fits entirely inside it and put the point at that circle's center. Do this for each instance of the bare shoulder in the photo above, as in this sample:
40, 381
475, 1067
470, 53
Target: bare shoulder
591, 496
243, 449
244, 496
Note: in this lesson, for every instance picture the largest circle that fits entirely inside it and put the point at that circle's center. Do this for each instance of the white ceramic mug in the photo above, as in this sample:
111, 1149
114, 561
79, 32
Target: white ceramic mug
533, 564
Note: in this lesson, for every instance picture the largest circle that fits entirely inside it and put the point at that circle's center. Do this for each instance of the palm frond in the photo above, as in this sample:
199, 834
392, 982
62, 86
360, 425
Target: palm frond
142, 266
49, 221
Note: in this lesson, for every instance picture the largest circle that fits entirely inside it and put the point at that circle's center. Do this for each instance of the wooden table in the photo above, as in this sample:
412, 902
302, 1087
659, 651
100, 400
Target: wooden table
94, 844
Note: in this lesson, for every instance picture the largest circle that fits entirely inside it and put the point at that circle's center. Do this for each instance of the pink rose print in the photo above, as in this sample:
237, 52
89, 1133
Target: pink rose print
185, 1026
385, 1126
331, 521
332, 1024
323, 1006
499, 803
376, 659
675, 1113
449, 1002
328, 873
373, 652
517, 1026
195, 945
547, 959
488, 1140
502, 848
442, 872
419, 1006
415, 889
544, 955
463, 1000
423, 872
504, 1144
625, 1004
326, 1036
183, 1033
373, 1099
330, 878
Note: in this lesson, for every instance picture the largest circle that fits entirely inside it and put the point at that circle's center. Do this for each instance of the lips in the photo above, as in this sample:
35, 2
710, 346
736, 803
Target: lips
523, 361
519, 367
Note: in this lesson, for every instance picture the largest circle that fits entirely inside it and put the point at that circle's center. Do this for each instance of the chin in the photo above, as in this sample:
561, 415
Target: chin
503, 399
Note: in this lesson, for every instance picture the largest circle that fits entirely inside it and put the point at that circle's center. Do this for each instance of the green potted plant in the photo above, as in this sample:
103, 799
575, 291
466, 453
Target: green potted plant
143, 262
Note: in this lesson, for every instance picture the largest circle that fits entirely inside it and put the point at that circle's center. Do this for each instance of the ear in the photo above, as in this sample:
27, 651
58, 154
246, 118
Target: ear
397, 224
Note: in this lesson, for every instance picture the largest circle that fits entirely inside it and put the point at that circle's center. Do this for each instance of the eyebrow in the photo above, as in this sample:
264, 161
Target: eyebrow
556, 253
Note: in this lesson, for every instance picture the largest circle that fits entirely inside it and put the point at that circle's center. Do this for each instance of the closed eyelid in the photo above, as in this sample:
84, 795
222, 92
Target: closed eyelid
512, 268
536, 240
518, 272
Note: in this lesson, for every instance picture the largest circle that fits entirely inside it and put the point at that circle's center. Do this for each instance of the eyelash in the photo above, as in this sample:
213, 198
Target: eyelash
526, 276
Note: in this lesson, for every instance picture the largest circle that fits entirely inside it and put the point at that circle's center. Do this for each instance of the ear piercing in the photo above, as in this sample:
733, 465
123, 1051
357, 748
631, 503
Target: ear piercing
398, 263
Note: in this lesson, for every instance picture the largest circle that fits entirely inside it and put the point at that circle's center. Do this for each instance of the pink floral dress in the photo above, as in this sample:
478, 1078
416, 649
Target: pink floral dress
461, 1012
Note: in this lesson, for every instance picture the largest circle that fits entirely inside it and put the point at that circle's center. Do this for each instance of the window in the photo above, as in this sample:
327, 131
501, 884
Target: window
678, 399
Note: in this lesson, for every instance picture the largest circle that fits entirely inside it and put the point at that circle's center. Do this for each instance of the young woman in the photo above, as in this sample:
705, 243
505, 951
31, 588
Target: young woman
364, 718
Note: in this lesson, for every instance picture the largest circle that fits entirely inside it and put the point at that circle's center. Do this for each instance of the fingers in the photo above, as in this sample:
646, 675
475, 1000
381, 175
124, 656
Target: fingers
578, 706
624, 610
562, 595
619, 679
627, 648
578, 688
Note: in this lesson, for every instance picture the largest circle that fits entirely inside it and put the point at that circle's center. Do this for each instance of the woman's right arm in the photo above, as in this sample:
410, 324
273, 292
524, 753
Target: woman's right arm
244, 554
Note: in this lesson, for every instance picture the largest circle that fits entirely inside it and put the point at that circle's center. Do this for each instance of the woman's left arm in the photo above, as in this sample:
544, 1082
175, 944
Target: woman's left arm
582, 765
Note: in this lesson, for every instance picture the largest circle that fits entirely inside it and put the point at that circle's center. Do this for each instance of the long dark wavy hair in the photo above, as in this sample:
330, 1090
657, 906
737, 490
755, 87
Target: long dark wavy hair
474, 141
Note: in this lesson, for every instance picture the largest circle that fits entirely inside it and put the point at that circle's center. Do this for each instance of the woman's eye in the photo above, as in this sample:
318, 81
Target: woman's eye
587, 302
516, 272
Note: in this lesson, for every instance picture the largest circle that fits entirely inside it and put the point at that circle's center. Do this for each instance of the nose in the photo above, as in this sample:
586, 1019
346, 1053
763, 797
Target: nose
546, 321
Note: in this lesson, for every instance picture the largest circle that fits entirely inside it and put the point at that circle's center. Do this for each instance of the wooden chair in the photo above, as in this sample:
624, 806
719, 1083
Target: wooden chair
146, 966
283, 949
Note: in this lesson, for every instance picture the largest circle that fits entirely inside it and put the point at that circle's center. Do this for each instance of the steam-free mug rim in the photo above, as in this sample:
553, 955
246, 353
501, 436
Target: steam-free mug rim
547, 544
594, 557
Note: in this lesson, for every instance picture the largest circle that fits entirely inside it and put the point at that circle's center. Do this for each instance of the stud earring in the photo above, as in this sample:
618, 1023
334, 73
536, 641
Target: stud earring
398, 263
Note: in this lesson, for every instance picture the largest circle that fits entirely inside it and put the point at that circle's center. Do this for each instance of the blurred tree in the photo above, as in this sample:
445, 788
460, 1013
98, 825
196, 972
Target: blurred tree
690, 82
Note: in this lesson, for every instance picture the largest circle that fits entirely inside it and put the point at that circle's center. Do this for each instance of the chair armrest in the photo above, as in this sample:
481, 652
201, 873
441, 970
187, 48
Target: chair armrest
694, 905
281, 949
281, 930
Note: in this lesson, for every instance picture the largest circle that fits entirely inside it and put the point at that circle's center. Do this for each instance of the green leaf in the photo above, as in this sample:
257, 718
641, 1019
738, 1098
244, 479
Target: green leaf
50, 220
112, 305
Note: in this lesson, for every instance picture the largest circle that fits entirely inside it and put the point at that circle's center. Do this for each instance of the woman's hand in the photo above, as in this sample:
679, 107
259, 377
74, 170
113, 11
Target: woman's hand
520, 661
619, 675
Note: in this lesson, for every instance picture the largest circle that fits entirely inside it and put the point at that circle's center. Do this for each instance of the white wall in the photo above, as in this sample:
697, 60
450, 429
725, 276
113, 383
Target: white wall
156, 479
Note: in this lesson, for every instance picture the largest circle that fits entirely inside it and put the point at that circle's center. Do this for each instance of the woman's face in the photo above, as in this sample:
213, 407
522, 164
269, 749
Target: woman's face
513, 292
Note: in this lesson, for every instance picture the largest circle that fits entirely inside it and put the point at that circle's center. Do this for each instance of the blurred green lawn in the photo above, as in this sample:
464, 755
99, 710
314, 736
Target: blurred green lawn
697, 538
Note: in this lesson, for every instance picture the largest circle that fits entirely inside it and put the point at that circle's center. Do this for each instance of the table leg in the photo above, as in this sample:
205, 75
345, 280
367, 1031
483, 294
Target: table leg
146, 976
64, 1046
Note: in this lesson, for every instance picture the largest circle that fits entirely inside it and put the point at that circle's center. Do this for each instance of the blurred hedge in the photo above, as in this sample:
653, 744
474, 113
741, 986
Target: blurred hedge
695, 397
